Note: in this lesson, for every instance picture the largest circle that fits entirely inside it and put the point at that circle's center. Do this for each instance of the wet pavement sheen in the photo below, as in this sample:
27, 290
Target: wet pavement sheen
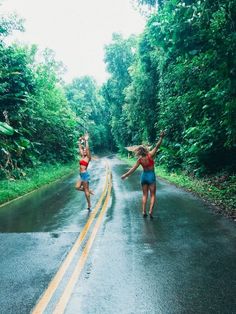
183, 261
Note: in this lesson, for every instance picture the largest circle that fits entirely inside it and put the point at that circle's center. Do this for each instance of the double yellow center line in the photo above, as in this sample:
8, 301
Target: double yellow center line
49, 292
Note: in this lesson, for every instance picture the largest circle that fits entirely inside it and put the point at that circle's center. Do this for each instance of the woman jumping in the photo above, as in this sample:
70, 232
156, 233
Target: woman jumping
148, 177
83, 184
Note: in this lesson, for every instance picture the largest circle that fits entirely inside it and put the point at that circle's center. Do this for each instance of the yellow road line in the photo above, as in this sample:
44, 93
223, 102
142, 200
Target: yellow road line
61, 305
46, 297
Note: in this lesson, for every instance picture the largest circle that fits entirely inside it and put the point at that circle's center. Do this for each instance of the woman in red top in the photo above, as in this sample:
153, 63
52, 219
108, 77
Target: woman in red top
148, 178
83, 184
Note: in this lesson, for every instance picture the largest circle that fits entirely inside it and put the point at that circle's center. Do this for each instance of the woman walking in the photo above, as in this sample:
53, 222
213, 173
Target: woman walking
83, 184
148, 177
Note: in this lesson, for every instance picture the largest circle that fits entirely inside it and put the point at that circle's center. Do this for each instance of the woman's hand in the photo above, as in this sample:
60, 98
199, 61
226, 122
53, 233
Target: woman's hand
162, 134
86, 137
123, 177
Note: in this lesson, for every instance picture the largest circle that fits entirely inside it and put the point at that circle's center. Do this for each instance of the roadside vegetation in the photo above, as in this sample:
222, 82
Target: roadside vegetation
34, 179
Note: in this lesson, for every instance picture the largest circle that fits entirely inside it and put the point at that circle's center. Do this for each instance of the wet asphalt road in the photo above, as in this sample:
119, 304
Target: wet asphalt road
181, 262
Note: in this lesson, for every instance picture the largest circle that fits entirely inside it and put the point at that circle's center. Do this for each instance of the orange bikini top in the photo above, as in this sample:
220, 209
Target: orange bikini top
148, 164
83, 163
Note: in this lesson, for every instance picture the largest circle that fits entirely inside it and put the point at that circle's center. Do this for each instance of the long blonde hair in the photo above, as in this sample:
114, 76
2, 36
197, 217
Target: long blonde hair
141, 151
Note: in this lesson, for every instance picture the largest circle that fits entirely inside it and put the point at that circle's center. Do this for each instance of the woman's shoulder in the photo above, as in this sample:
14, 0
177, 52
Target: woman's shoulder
142, 159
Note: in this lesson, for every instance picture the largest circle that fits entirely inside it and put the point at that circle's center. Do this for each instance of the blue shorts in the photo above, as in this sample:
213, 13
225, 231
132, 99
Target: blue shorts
85, 176
148, 177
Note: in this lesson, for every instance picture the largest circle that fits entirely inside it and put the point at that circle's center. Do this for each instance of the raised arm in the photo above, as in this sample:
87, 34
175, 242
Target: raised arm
86, 137
131, 170
80, 147
154, 150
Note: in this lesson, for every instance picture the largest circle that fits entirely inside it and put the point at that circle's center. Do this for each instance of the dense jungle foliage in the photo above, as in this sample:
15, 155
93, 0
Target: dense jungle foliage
179, 75
182, 78
41, 117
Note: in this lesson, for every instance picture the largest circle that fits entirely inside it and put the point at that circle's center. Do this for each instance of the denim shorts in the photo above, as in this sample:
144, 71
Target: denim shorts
84, 176
148, 177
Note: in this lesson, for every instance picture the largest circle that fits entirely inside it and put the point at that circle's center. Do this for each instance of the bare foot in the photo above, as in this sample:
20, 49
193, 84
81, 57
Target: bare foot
91, 192
80, 189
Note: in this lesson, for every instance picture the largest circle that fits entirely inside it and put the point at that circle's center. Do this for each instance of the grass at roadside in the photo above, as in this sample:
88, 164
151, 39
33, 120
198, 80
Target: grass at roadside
217, 191
35, 178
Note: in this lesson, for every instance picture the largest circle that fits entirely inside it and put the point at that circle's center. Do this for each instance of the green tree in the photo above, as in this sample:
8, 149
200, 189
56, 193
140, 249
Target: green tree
87, 102
119, 56
191, 45
36, 122
142, 104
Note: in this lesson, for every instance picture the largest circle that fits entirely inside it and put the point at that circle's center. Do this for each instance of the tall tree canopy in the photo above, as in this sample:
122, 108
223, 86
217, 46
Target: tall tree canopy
34, 106
119, 56
182, 78
86, 101
179, 75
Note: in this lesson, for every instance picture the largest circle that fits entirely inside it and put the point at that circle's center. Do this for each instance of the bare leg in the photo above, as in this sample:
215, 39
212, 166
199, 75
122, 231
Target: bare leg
152, 189
79, 186
144, 198
90, 191
87, 193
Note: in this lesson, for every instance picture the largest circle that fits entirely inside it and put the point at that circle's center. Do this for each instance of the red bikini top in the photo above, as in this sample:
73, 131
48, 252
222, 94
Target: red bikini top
83, 163
148, 164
